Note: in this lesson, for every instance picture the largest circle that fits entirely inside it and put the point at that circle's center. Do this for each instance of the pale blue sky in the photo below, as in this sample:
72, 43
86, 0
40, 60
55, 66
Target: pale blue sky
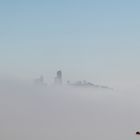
97, 40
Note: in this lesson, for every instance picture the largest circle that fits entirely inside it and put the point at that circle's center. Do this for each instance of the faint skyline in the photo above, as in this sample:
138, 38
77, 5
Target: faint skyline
93, 40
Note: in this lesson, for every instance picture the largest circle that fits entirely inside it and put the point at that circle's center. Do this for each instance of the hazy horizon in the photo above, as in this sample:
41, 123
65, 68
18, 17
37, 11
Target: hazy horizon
93, 40
96, 41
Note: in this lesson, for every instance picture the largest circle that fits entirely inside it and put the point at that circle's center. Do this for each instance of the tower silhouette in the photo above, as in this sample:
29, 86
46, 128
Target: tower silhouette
58, 78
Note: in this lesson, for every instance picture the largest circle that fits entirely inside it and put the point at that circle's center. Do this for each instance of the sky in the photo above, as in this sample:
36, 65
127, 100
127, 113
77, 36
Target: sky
93, 40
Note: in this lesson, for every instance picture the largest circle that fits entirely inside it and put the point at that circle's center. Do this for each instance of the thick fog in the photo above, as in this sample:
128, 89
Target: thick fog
29, 112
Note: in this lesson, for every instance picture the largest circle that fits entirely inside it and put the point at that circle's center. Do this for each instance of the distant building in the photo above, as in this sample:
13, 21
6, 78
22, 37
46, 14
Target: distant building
39, 81
58, 78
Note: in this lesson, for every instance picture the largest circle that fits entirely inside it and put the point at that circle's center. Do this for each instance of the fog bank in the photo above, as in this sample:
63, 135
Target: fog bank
29, 112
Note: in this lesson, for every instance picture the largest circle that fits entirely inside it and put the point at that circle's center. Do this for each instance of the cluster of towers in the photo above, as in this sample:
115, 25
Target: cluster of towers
57, 79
